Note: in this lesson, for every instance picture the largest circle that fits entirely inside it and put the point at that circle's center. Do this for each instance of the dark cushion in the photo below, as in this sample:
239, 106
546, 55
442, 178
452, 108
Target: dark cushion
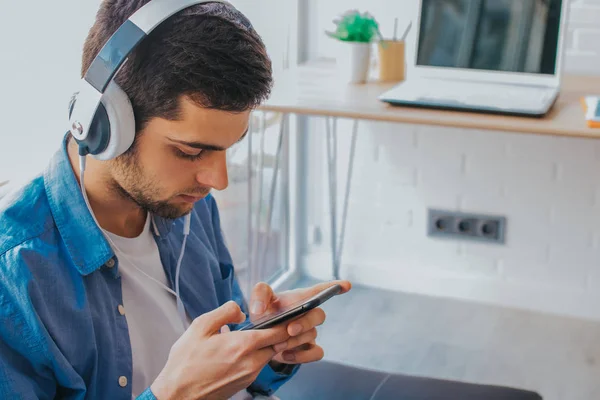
330, 381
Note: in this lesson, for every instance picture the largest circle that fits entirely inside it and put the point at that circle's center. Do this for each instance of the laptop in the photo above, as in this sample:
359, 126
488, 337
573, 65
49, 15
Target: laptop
493, 56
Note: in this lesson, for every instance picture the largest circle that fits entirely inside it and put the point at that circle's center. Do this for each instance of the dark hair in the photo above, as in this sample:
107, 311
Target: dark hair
209, 52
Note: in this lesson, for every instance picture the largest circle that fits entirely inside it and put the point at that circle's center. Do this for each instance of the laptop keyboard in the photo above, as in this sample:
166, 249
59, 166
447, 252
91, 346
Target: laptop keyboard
477, 94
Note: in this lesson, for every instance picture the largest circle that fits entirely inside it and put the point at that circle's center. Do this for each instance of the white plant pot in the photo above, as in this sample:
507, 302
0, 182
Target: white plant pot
353, 61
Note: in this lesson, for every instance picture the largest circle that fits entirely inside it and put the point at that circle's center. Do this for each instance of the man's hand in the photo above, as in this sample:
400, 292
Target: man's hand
301, 347
209, 363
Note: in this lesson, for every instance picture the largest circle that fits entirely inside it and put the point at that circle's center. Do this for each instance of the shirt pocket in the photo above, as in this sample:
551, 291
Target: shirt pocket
224, 285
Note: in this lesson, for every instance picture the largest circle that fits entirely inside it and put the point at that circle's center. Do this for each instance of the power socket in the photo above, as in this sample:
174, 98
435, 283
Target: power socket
466, 226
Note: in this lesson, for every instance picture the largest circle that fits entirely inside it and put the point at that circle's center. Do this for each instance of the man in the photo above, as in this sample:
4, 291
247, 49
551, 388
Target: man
87, 310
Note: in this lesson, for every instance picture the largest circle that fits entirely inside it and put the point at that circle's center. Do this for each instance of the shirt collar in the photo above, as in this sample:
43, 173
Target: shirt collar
161, 226
86, 244
84, 240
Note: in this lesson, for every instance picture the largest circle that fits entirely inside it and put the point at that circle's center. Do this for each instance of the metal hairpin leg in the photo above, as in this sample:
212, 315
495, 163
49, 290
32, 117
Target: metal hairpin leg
256, 256
286, 195
271, 205
347, 196
331, 137
255, 272
250, 233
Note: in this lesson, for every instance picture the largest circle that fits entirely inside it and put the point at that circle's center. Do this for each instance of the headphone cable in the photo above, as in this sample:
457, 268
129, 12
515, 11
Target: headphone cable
186, 231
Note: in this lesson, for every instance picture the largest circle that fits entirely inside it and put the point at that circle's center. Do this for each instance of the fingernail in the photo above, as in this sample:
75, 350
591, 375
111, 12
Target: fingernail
295, 329
280, 347
289, 356
258, 307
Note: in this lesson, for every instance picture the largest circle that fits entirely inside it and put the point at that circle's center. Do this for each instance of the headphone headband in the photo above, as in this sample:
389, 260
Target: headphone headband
114, 53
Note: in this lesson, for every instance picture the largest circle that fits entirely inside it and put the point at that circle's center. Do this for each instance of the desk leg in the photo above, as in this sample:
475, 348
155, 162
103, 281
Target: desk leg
331, 137
283, 133
347, 196
258, 248
259, 188
250, 233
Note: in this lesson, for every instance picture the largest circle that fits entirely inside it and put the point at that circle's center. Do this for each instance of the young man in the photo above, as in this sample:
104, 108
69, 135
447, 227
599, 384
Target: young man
86, 317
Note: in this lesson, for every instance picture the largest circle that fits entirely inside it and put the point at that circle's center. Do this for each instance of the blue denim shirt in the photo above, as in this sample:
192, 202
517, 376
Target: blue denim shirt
61, 334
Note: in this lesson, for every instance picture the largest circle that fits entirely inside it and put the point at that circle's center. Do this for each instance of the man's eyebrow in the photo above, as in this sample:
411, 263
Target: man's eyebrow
205, 146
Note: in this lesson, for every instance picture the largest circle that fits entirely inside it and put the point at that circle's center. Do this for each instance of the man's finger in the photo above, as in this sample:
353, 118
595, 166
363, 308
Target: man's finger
212, 322
265, 355
262, 338
305, 338
262, 296
307, 322
292, 296
311, 353
316, 289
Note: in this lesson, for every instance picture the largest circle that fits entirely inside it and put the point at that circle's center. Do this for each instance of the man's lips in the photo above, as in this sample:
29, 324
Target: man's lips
190, 199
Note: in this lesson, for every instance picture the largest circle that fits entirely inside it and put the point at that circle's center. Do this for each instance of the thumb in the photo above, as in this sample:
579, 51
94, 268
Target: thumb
211, 322
261, 298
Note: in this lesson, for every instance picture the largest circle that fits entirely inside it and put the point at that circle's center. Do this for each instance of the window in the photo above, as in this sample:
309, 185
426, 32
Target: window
259, 248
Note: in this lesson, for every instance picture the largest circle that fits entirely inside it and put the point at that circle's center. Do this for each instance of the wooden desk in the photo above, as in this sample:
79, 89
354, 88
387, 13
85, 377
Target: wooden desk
314, 90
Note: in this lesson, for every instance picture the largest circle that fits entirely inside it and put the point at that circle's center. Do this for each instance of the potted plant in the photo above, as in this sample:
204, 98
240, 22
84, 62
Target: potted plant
355, 31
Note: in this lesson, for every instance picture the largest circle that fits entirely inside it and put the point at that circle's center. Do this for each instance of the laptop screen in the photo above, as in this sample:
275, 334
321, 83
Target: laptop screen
497, 35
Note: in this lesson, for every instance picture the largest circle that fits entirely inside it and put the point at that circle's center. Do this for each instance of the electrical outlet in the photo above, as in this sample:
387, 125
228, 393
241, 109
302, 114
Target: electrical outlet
465, 226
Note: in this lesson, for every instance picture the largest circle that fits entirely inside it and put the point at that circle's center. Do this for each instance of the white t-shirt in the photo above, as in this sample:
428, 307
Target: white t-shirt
151, 311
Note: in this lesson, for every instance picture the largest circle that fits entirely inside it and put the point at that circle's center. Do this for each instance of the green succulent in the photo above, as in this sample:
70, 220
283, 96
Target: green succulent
353, 26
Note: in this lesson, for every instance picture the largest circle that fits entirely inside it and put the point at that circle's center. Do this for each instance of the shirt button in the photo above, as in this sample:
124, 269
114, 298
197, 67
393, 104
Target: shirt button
110, 263
121, 309
122, 381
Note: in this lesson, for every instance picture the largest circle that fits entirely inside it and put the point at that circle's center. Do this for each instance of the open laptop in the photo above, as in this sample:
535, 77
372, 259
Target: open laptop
497, 56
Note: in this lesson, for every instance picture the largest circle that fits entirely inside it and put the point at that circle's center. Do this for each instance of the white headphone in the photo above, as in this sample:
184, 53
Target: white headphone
101, 116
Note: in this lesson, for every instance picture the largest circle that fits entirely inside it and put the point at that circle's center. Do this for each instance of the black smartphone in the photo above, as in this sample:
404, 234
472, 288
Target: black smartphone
292, 311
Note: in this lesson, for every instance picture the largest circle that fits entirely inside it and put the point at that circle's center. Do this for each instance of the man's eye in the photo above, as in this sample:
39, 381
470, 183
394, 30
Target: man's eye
191, 157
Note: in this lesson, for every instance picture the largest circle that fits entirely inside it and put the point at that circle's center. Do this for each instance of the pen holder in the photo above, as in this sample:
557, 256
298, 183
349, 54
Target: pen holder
392, 60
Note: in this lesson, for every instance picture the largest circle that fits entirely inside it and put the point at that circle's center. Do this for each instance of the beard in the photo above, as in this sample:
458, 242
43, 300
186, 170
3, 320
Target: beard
136, 186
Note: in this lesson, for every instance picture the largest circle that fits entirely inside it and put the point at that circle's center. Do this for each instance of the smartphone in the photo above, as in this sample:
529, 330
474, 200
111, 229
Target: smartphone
292, 311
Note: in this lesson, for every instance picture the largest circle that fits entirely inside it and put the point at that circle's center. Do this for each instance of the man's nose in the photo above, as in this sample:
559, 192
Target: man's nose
214, 173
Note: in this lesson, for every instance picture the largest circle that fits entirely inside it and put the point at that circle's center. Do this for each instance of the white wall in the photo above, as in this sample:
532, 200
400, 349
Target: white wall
547, 187
41, 45
583, 53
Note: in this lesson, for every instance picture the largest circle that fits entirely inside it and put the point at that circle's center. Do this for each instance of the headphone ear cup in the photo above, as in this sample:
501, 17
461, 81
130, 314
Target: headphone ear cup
113, 126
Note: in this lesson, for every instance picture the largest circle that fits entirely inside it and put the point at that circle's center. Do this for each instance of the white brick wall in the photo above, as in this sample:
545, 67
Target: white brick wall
583, 49
547, 187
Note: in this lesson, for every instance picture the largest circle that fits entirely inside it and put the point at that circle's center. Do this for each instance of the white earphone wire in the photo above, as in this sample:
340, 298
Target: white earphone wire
180, 307
186, 231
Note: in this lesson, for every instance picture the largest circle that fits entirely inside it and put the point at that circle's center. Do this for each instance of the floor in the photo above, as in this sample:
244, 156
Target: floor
420, 335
